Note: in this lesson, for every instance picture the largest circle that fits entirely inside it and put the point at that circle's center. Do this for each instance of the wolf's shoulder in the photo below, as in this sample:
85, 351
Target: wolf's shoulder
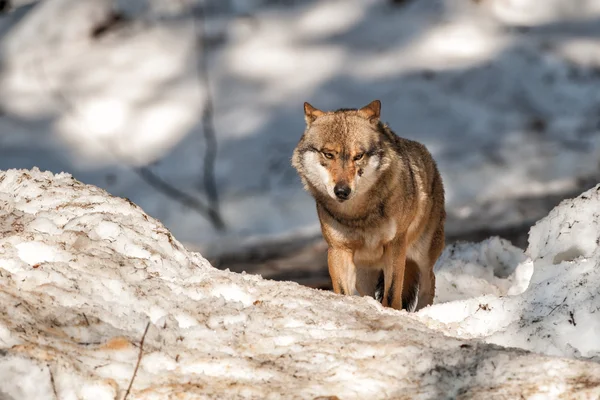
404, 146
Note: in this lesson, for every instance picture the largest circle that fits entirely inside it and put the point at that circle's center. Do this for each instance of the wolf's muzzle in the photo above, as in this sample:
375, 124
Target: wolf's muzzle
342, 191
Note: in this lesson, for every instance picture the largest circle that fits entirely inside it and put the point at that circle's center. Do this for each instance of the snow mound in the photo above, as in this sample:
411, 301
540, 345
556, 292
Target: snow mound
83, 273
494, 266
556, 315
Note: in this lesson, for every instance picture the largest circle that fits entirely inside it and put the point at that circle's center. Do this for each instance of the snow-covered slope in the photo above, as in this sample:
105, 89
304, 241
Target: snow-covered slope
494, 266
505, 94
82, 273
558, 313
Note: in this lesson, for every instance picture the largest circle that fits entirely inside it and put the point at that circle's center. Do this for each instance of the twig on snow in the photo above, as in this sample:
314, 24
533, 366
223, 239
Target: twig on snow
52, 382
139, 360
558, 305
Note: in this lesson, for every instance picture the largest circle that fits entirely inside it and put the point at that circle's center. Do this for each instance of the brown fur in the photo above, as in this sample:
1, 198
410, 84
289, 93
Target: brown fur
393, 220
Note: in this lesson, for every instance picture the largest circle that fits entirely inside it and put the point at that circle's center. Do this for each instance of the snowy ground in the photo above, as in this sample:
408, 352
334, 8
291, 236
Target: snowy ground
82, 273
557, 314
505, 93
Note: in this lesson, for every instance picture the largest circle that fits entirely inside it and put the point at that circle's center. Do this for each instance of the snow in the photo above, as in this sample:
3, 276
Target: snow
493, 266
555, 315
504, 93
82, 273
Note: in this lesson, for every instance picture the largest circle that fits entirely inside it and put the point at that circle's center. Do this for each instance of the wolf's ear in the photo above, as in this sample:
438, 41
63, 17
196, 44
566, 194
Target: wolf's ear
311, 113
371, 111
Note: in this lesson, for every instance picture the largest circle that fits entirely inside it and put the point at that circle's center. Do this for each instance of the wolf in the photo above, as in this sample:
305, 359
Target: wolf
380, 202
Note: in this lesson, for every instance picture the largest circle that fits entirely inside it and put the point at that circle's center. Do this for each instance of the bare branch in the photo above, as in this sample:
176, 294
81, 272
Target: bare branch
161, 185
208, 126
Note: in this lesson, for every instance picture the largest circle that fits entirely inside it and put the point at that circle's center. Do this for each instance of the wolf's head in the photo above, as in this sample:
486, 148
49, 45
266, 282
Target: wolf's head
342, 153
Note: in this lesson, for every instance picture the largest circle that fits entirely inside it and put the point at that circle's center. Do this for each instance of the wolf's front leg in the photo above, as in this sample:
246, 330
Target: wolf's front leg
393, 272
341, 270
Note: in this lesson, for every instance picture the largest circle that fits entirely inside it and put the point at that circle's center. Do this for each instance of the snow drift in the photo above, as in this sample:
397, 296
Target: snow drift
82, 273
557, 314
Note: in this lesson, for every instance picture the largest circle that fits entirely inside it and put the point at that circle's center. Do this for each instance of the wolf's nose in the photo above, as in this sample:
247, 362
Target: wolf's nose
342, 191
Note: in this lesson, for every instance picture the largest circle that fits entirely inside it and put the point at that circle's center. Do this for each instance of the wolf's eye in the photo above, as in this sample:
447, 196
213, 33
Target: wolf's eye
358, 156
328, 156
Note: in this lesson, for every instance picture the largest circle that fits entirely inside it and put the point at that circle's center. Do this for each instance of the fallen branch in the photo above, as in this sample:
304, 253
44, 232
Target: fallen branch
139, 360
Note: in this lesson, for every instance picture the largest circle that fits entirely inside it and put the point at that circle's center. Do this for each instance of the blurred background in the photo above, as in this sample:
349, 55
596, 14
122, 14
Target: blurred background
191, 109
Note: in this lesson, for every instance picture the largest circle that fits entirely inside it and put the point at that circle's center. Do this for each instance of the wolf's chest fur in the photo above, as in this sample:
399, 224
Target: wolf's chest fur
367, 241
369, 250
